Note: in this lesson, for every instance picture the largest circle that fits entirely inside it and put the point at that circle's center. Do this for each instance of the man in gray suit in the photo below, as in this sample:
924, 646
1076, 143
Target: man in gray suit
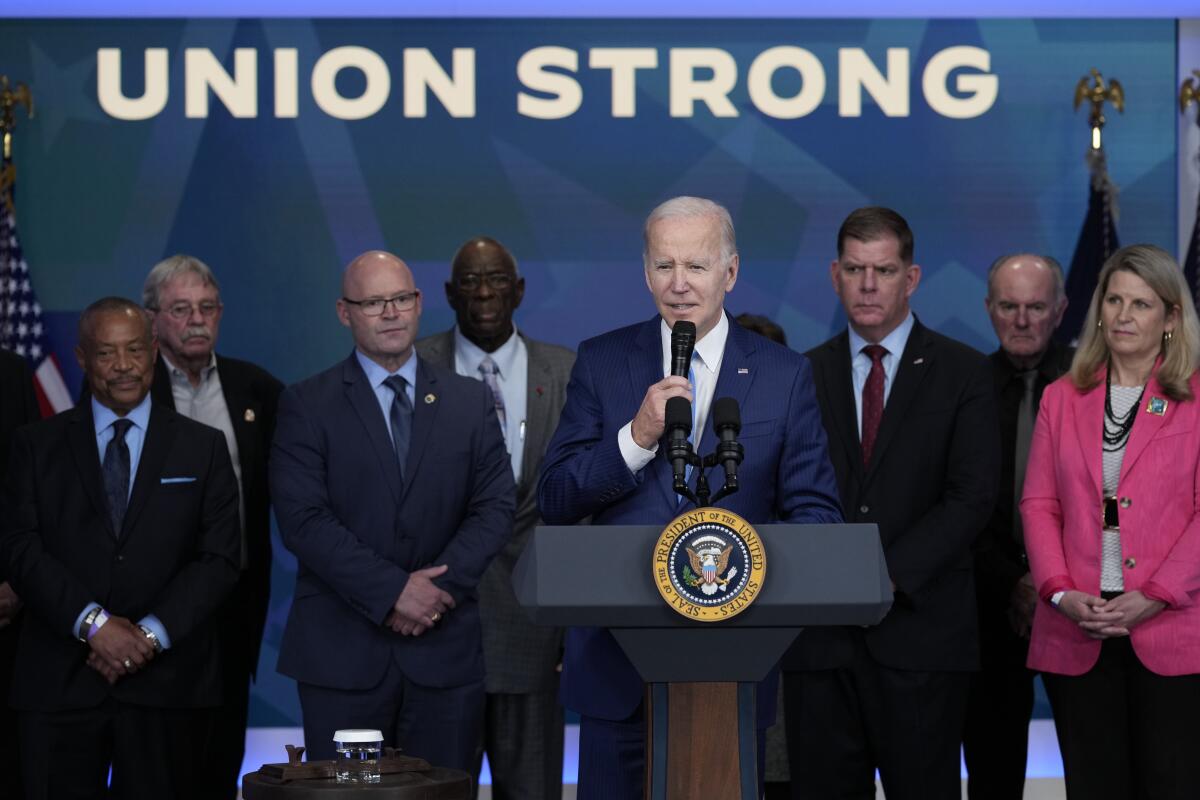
523, 727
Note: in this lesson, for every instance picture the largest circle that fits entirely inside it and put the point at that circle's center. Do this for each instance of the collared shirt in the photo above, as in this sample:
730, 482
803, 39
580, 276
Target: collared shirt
860, 362
376, 375
512, 362
706, 366
135, 439
206, 403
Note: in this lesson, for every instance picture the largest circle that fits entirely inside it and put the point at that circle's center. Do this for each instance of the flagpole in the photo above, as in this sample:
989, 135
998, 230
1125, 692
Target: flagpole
10, 97
1189, 92
1098, 234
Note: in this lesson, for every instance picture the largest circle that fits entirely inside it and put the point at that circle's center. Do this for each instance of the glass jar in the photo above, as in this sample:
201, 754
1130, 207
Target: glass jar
357, 758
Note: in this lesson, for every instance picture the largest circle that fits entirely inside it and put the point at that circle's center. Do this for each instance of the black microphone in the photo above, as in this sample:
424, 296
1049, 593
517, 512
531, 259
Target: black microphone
727, 424
683, 342
679, 425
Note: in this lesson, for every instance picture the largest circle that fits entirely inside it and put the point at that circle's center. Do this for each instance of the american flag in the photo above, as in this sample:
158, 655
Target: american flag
21, 328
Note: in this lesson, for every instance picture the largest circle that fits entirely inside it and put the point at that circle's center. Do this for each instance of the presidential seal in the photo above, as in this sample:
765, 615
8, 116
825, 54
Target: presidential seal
709, 564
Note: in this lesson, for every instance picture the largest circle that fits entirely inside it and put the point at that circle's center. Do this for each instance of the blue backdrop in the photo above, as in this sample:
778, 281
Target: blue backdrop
276, 204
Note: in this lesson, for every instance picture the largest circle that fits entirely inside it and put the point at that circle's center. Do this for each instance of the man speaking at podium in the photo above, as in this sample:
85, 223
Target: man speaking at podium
606, 460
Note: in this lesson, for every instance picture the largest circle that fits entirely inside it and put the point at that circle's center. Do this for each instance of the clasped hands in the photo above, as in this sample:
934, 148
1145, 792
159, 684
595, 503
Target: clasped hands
119, 648
1105, 619
421, 604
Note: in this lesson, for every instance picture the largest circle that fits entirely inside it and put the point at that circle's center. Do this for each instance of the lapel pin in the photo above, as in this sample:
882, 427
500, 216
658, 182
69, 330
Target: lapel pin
249, 415
539, 391
919, 361
1157, 406
429, 398
743, 371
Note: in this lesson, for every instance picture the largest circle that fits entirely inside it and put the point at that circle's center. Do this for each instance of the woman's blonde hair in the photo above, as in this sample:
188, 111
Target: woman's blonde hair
1180, 353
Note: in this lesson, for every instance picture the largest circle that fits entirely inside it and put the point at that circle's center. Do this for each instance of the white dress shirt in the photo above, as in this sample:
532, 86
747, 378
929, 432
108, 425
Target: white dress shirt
860, 362
706, 366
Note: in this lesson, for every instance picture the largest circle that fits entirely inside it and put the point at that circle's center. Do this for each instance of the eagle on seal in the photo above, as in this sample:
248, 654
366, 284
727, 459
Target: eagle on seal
710, 563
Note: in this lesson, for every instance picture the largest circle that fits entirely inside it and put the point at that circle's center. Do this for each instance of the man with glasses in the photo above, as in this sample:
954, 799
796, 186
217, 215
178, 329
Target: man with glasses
1025, 302
239, 399
392, 486
523, 728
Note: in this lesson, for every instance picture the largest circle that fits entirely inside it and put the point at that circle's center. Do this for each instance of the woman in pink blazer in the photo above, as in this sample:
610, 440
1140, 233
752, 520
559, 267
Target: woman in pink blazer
1111, 510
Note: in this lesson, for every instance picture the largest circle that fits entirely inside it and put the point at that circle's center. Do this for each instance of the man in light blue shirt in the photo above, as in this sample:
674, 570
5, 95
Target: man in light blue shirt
122, 538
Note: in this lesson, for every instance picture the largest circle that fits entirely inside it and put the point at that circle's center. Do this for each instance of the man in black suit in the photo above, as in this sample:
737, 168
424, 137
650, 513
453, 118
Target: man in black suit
911, 421
239, 399
121, 534
18, 406
1025, 302
523, 720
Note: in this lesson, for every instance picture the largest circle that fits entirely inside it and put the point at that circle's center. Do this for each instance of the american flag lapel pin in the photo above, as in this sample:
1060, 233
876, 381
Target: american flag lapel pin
743, 371
919, 361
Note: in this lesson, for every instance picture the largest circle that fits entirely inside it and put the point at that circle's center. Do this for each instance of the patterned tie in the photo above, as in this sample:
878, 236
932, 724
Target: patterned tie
401, 419
1026, 414
116, 474
872, 400
491, 374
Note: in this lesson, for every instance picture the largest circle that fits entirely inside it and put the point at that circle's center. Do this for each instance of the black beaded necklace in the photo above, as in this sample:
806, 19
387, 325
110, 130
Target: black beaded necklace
1116, 440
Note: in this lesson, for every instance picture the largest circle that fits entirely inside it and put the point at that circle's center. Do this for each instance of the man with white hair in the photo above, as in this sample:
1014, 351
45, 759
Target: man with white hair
606, 459
239, 399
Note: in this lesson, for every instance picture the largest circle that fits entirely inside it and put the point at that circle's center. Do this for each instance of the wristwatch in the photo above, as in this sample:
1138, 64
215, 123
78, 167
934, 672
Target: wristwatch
1056, 598
149, 634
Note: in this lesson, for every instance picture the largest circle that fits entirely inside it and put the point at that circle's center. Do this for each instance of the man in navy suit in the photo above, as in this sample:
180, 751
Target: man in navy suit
605, 460
392, 486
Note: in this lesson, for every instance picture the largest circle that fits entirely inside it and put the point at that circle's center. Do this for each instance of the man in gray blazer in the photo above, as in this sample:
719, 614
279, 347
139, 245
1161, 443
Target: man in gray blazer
523, 727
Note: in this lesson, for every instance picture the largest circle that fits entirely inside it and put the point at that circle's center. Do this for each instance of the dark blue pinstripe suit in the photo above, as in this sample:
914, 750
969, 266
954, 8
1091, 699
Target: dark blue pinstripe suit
786, 475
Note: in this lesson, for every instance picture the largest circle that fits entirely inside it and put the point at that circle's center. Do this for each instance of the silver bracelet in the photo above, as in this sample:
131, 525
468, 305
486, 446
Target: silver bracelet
86, 625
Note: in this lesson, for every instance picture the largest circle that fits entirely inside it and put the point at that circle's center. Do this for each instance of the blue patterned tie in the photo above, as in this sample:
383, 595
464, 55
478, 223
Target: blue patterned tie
116, 474
490, 377
401, 419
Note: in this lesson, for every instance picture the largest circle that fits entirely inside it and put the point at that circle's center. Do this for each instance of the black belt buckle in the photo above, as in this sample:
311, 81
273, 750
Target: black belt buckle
1108, 514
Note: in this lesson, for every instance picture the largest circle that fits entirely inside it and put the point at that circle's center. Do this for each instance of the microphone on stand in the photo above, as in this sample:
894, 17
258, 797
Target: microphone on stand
727, 424
683, 342
679, 426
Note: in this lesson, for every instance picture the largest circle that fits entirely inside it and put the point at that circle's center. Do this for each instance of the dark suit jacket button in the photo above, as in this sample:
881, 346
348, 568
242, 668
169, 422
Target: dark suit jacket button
120, 558
863, 509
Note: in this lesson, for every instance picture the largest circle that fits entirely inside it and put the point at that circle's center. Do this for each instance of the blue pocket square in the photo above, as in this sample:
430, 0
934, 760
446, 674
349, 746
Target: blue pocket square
177, 480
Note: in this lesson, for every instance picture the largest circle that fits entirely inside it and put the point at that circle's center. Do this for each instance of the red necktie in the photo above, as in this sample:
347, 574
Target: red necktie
872, 400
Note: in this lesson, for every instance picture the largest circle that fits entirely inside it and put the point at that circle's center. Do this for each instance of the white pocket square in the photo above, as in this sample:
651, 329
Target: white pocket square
177, 480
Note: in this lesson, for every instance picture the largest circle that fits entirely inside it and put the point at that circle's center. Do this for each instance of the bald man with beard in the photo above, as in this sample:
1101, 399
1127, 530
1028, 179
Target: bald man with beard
392, 486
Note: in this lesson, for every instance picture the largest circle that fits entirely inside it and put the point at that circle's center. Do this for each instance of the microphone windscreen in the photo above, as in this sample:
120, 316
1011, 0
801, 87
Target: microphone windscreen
726, 414
684, 332
679, 413
685, 328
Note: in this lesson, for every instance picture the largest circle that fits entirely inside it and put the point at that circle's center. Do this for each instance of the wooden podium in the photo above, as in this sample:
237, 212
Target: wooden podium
817, 575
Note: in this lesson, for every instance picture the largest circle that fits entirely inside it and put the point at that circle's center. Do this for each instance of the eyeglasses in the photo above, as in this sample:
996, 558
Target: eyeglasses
374, 306
181, 311
471, 281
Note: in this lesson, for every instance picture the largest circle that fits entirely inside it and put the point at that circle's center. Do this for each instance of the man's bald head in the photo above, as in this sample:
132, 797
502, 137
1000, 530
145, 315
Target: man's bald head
1025, 302
369, 264
381, 306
